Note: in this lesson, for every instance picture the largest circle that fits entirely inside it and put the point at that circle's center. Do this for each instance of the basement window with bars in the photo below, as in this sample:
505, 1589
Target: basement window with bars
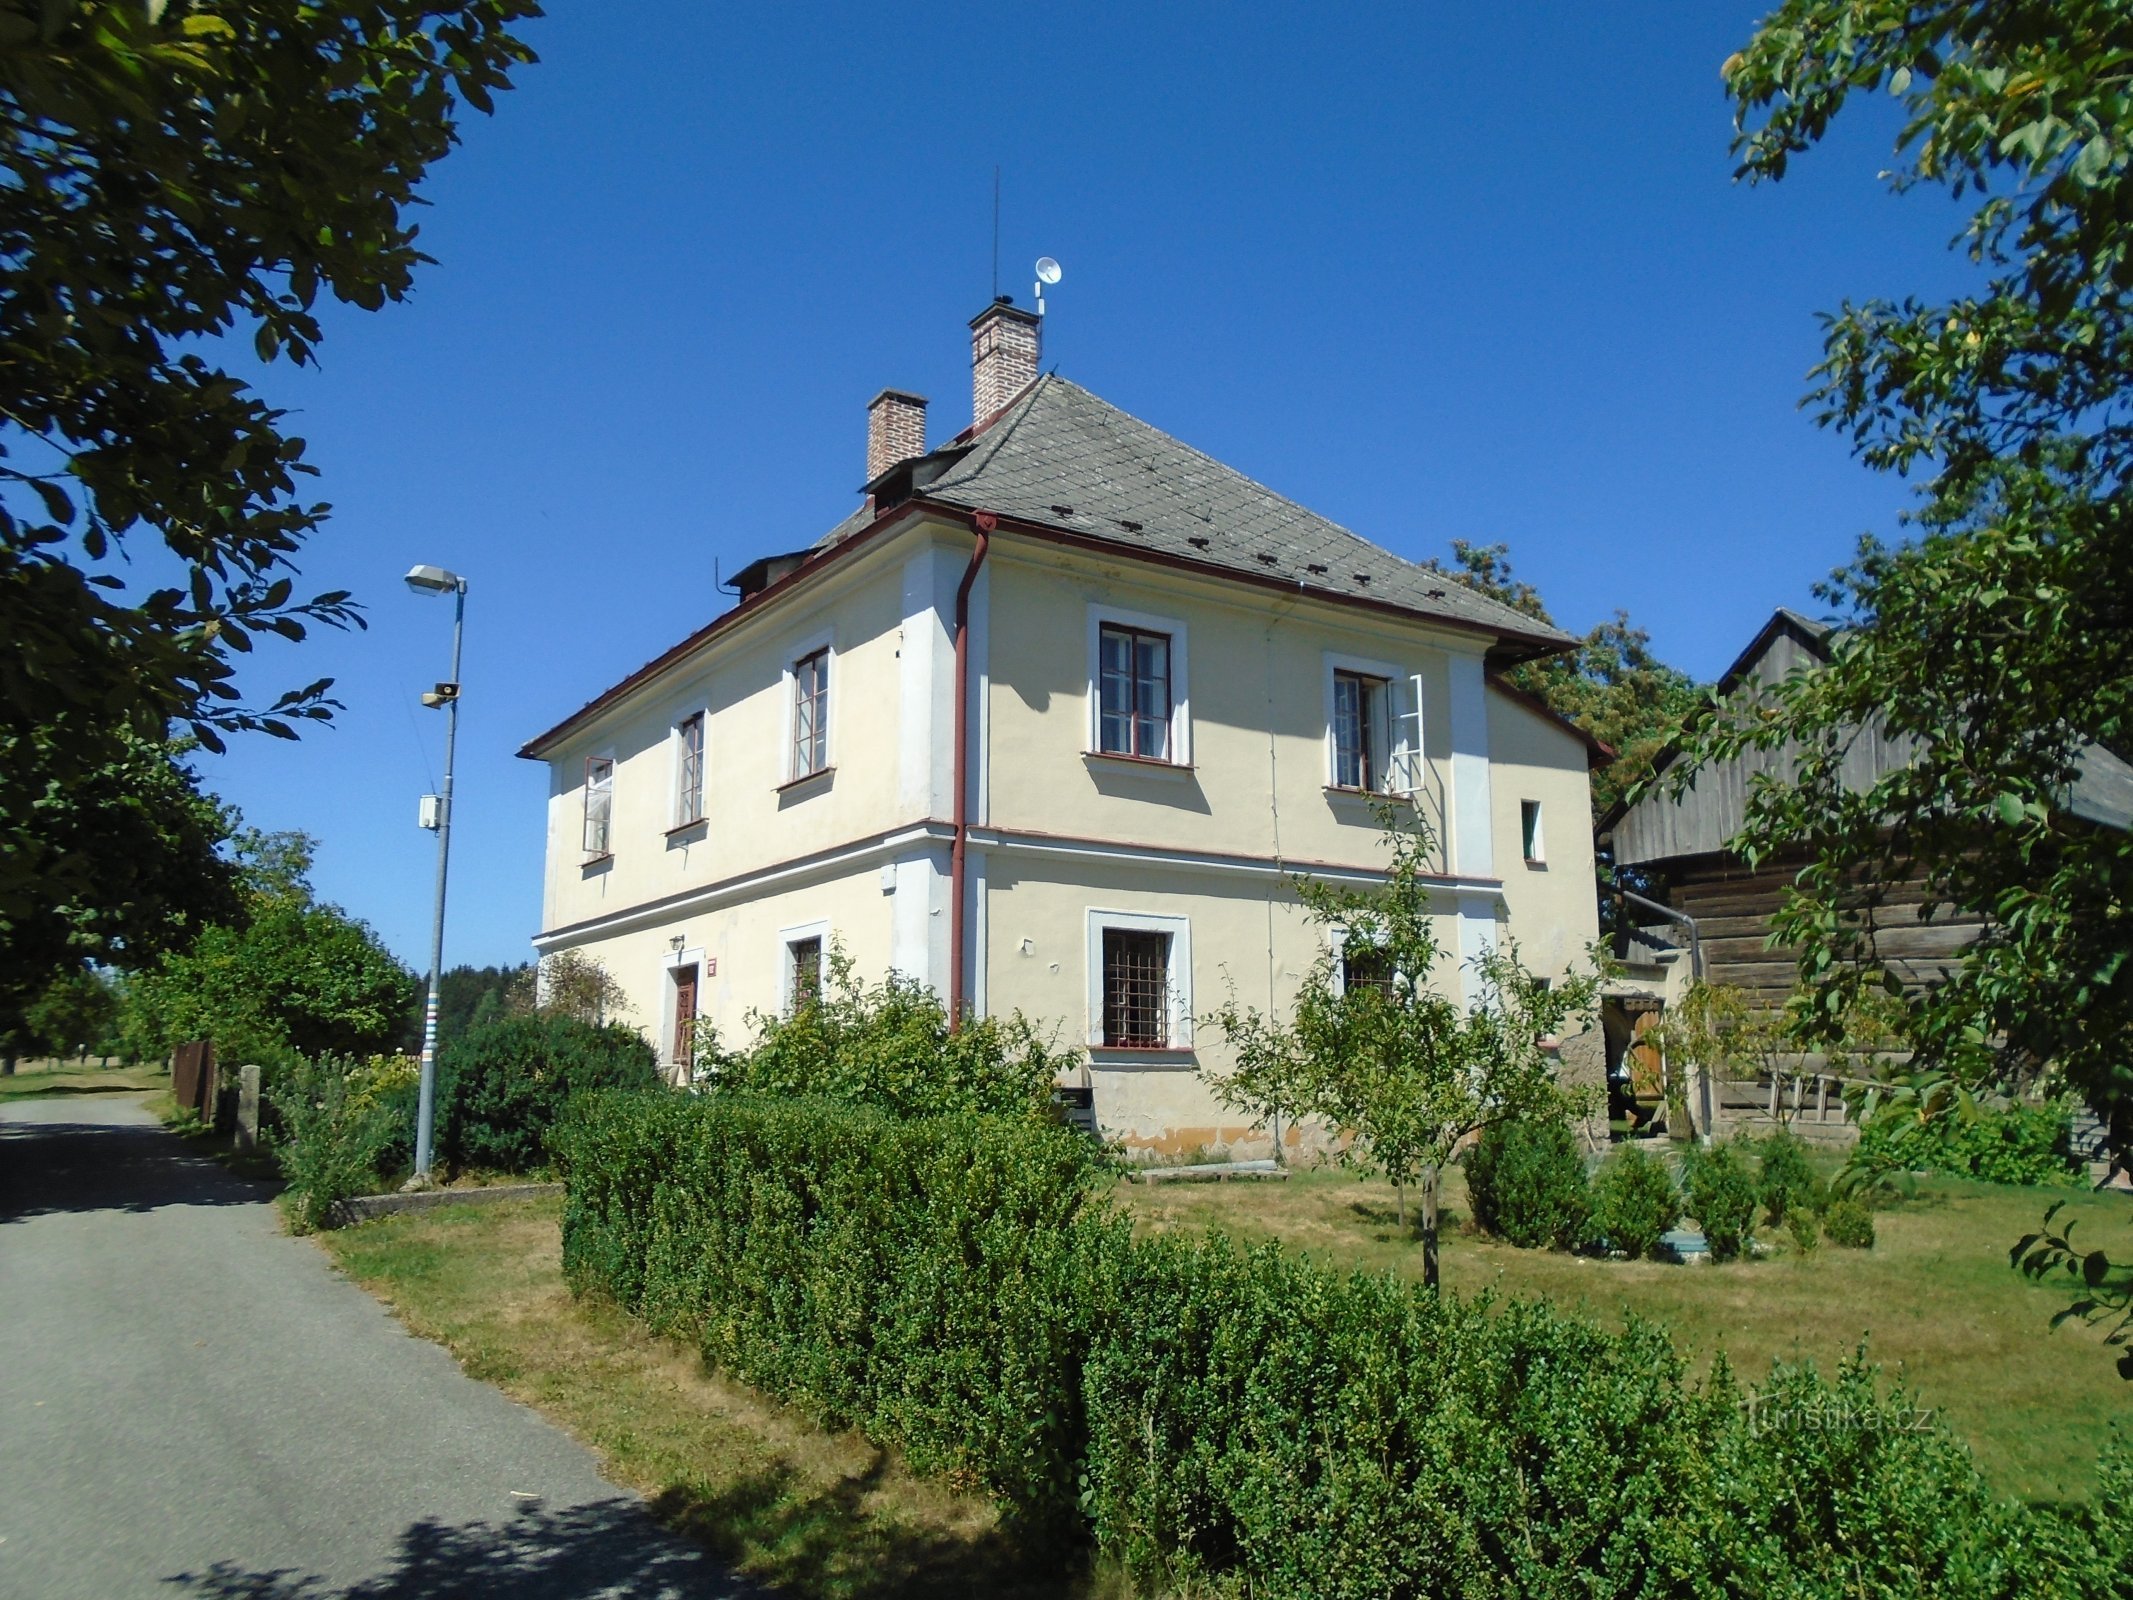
599, 806
1136, 989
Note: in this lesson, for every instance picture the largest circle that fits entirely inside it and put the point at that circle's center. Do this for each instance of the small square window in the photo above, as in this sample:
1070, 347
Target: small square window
1529, 831
810, 714
1365, 966
689, 770
599, 805
803, 958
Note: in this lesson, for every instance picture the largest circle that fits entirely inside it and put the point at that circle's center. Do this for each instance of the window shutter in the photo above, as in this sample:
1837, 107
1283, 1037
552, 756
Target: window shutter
1403, 772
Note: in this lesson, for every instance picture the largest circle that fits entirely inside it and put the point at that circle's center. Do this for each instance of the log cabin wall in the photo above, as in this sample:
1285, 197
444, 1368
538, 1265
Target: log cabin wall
1733, 905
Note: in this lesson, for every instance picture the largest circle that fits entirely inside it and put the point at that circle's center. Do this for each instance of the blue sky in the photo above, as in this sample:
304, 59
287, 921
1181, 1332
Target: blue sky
1438, 272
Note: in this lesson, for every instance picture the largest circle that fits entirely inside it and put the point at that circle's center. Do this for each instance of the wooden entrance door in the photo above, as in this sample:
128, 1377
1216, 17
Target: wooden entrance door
684, 1057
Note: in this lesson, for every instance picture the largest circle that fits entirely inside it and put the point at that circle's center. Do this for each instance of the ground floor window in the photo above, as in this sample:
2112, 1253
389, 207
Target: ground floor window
803, 972
1140, 979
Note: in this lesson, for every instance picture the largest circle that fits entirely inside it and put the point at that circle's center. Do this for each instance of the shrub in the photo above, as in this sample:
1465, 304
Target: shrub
1633, 1202
1720, 1191
2021, 1143
503, 1086
914, 1279
1224, 1420
1850, 1224
339, 1127
1805, 1228
888, 1046
1786, 1180
1525, 1179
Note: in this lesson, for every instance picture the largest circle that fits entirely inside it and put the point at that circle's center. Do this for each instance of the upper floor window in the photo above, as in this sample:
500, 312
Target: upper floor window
810, 713
1373, 727
1138, 707
1360, 730
1529, 830
689, 769
599, 805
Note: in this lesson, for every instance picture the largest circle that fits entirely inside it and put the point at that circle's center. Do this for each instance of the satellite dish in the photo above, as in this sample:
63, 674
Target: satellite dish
1047, 270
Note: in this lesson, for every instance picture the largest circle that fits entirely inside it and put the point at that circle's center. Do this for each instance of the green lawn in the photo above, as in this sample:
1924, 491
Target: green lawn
1934, 1299
35, 1079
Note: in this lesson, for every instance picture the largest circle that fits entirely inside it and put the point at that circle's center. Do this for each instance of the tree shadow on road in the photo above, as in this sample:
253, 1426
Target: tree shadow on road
48, 1167
608, 1550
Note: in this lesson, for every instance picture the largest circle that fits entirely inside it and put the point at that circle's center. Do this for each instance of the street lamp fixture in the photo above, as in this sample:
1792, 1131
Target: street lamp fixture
436, 580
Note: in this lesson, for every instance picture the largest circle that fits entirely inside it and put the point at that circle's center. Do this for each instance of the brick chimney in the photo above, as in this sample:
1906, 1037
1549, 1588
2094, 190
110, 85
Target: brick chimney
1003, 358
896, 430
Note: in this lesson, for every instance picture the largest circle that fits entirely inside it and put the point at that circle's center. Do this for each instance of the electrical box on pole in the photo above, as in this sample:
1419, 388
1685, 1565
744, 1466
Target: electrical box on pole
432, 812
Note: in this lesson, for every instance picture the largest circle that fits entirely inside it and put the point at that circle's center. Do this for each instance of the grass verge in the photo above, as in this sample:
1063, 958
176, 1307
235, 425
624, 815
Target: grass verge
1935, 1300
811, 1513
34, 1080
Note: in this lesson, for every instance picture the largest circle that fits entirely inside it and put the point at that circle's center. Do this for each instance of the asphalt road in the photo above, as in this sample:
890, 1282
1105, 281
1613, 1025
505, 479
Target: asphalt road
194, 1404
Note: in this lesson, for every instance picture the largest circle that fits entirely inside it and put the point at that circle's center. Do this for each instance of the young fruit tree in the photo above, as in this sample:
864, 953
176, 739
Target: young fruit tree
1377, 1051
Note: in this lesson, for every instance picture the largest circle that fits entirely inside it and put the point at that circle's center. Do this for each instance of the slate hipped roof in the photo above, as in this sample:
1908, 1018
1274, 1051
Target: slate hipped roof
1061, 457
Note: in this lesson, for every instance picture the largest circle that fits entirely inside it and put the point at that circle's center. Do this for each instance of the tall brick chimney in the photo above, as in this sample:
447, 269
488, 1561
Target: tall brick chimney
1003, 358
896, 430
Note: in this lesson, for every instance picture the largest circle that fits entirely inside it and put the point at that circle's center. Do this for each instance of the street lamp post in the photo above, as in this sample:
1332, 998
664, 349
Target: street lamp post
435, 580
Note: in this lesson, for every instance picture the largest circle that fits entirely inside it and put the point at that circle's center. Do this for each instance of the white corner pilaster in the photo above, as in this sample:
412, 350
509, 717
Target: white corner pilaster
1473, 851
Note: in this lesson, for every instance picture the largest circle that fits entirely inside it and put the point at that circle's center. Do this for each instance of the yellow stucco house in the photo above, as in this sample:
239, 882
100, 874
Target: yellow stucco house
1047, 724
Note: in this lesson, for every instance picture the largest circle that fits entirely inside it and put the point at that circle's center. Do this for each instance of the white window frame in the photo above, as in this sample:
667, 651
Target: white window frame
1177, 978
787, 938
585, 794
795, 653
1180, 683
675, 820
1403, 760
1532, 840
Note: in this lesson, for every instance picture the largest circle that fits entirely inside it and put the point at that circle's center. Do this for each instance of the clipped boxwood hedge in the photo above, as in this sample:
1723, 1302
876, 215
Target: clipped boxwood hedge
1245, 1421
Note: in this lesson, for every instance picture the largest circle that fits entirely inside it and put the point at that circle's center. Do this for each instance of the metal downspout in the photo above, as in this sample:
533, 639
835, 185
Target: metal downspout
984, 522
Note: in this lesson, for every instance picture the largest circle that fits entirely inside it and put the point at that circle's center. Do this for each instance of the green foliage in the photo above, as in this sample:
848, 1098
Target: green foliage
1411, 1071
1720, 1189
503, 1088
1221, 1420
1526, 1183
78, 1011
114, 862
467, 996
340, 1126
298, 978
1611, 684
1634, 1202
1997, 643
917, 1279
888, 1045
176, 173
2018, 1142
1805, 1227
1786, 1181
569, 983
2103, 1288
1848, 1223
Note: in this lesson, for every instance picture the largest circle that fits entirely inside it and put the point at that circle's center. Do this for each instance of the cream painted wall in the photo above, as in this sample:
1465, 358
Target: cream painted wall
1255, 661
1057, 832
754, 818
